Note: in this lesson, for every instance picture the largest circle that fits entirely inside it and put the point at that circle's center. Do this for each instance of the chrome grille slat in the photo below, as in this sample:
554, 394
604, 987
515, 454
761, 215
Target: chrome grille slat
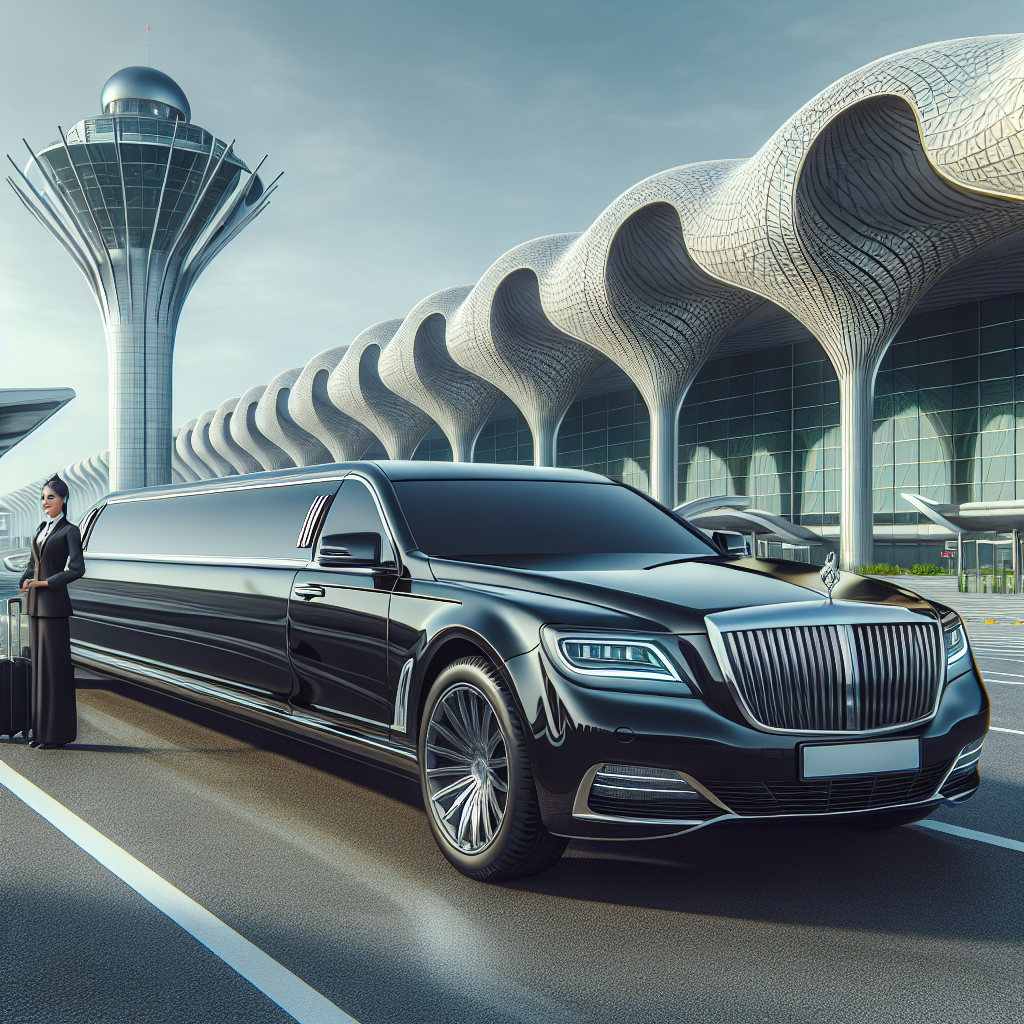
837, 678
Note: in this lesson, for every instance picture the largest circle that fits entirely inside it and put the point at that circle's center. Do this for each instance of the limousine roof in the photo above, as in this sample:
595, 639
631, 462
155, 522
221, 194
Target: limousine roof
391, 470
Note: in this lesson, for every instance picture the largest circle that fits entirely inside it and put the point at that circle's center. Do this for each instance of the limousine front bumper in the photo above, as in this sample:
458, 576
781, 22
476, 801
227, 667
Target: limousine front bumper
618, 765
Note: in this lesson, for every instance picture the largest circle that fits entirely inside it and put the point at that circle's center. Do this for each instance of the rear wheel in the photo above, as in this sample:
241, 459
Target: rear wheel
477, 780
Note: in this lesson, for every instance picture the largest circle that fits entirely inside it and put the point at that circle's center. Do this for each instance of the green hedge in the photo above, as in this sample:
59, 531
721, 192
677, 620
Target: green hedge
884, 569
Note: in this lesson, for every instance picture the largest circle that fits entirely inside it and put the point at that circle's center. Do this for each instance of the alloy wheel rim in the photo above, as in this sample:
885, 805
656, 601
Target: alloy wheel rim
466, 768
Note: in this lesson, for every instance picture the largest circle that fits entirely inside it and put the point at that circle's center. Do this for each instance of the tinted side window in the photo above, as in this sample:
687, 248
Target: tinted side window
259, 522
355, 511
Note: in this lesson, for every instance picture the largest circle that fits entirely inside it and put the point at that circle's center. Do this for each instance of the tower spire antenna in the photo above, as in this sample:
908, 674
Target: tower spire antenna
147, 44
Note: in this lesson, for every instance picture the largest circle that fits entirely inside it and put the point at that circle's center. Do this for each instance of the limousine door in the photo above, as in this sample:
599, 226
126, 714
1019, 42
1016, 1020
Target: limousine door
196, 585
338, 616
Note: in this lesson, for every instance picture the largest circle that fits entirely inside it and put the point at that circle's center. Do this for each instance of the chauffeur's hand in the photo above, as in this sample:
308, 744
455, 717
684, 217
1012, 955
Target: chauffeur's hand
33, 583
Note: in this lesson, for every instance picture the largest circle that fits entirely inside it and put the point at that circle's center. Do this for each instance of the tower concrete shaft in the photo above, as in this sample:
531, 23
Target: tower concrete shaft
142, 201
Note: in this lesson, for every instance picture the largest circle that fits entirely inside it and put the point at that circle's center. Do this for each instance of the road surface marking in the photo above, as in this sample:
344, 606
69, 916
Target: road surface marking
995, 728
1004, 682
275, 981
969, 833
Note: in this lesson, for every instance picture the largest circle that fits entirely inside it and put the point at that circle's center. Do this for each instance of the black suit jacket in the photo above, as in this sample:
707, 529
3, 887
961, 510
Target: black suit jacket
62, 548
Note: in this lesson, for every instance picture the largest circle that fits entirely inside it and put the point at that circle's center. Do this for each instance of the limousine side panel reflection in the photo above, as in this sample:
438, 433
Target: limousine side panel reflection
553, 655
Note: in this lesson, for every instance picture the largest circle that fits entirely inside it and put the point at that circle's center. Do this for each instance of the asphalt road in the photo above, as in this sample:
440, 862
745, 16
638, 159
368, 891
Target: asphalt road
328, 866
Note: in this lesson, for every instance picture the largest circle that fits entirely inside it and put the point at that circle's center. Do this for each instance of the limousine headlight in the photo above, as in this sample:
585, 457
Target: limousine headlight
955, 636
615, 661
606, 656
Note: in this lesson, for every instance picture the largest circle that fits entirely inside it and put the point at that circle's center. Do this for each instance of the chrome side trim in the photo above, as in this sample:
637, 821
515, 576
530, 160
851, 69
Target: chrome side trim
93, 655
254, 485
144, 671
254, 563
400, 724
331, 714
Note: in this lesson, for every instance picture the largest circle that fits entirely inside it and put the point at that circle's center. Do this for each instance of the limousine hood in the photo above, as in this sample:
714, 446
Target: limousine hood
677, 596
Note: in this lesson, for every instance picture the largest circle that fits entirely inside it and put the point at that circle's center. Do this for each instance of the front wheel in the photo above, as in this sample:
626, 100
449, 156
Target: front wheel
477, 779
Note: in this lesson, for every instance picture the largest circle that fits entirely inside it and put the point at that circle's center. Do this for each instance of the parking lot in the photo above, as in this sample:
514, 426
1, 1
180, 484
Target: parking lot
327, 867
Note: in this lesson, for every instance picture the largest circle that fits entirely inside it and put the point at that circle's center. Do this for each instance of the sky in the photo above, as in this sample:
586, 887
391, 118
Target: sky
419, 141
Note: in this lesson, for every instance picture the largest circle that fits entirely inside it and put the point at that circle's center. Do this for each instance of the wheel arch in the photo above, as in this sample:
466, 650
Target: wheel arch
448, 646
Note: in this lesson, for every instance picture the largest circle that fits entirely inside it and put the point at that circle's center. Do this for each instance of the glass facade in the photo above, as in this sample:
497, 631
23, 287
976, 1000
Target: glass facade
506, 440
765, 424
608, 434
949, 424
143, 181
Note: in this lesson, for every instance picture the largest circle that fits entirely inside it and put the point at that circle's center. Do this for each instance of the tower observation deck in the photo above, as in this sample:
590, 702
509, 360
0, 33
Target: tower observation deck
142, 200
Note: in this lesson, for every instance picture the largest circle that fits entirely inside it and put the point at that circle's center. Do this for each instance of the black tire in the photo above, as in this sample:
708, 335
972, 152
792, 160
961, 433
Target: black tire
887, 819
508, 838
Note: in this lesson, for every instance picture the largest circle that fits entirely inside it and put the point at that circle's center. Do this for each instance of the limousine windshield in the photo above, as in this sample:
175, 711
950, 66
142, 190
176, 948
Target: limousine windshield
542, 524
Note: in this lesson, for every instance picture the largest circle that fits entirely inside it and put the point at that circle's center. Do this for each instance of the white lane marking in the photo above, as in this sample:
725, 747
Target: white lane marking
969, 833
987, 676
275, 981
995, 728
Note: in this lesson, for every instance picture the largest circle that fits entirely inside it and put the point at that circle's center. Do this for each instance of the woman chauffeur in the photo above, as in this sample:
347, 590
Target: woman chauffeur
56, 561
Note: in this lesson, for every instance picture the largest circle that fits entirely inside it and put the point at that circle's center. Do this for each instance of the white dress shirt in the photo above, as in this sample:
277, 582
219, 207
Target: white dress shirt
45, 532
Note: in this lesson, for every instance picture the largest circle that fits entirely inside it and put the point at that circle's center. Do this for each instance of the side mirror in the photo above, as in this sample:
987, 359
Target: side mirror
732, 543
338, 550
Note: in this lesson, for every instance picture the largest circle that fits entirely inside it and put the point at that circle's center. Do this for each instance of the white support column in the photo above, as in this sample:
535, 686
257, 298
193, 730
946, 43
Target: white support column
664, 471
856, 521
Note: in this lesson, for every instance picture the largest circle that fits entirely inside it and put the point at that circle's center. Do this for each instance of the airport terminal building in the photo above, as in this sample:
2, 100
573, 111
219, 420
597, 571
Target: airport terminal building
807, 335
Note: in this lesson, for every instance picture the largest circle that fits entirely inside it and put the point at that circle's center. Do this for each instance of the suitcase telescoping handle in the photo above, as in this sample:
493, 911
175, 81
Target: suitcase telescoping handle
12, 651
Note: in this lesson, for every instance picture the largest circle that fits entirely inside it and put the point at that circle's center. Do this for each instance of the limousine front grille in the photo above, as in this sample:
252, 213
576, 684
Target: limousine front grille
837, 678
828, 796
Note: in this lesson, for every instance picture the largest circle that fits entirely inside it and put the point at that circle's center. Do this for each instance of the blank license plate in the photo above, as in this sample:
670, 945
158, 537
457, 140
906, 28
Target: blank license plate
861, 758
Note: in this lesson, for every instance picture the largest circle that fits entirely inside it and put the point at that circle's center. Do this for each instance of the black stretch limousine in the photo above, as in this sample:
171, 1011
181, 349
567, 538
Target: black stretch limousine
553, 654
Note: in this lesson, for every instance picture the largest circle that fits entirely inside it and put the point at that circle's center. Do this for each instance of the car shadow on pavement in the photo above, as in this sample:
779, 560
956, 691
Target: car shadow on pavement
907, 879
371, 776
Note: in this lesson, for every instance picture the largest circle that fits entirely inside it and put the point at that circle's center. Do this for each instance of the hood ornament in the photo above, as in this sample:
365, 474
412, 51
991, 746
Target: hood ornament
830, 573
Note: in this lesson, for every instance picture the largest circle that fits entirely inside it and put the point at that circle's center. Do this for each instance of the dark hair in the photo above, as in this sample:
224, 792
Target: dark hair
60, 488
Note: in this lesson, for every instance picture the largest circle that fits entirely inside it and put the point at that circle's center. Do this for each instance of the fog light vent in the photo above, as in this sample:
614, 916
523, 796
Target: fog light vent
964, 778
636, 792
627, 782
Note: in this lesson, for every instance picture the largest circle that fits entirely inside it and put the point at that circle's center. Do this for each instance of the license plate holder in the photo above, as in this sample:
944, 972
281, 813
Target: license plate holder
845, 760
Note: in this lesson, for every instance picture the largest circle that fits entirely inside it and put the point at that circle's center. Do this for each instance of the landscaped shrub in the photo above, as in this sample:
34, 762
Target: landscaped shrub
882, 569
927, 569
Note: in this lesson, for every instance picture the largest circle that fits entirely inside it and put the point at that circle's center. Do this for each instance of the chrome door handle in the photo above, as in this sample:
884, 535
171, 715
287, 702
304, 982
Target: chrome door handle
309, 591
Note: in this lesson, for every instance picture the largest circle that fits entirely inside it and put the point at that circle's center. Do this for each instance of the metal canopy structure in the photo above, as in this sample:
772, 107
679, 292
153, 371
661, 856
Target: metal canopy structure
22, 410
972, 516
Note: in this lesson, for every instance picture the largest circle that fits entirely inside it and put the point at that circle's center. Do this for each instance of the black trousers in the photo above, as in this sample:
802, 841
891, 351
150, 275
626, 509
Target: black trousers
54, 712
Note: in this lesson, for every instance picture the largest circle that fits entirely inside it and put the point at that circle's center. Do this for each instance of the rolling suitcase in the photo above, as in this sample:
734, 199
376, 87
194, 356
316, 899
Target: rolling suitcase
15, 679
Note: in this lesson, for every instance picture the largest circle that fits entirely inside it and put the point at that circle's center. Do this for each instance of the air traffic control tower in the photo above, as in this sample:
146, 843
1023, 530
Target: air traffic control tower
142, 201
